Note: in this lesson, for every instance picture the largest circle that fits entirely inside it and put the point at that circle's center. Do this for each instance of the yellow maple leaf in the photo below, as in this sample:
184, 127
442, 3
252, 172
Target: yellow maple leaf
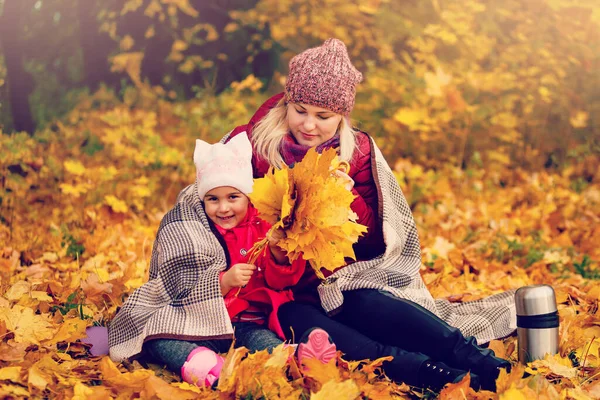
322, 372
18, 290
14, 390
279, 356
75, 167
129, 62
590, 352
112, 375
458, 390
270, 195
411, 117
74, 190
81, 392
37, 378
70, 330
12, 374
312, 205
346, 390
116, 204
27, 326
513, 394
157, 388
577, 394
555, 364
227, 379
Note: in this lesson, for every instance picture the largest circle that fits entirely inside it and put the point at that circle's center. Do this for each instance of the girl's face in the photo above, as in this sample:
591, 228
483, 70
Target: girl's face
226, 206
312, 125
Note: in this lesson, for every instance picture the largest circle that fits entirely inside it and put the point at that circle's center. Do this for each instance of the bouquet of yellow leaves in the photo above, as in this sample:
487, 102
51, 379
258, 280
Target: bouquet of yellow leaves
312, 206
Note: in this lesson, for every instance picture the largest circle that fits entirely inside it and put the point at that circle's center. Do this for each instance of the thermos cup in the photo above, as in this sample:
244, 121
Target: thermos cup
537, 322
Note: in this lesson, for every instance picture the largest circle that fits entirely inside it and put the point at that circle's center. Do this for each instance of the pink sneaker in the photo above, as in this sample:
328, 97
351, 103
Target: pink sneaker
316, 343
202, 368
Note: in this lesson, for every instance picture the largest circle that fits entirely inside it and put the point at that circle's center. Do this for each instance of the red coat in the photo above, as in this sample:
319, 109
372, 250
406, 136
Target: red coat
365, 205
256, 295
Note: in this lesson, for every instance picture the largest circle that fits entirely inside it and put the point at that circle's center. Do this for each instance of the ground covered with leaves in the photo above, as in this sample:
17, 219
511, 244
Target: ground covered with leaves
82, 199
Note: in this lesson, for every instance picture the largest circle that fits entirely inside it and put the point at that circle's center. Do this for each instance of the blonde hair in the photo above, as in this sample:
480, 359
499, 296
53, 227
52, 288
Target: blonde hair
268, 133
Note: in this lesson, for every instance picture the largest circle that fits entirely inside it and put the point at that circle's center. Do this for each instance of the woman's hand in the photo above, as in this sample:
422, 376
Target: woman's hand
278, 253
344, 177
236, 276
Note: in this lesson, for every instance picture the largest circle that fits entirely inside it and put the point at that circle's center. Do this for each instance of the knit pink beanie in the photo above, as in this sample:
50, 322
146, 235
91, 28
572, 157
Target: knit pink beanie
324, 77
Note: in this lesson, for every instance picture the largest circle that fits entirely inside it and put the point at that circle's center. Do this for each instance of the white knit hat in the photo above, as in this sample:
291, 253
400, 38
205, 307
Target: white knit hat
228, 164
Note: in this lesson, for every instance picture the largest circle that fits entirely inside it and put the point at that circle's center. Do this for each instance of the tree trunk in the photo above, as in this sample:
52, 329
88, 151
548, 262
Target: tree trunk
95, 47
19, 81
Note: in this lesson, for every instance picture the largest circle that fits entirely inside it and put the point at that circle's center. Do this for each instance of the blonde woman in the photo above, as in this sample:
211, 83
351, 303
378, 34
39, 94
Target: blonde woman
379, 305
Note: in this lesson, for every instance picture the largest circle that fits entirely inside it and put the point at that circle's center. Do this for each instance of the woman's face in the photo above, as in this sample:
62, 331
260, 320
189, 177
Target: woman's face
226, 206
312, 125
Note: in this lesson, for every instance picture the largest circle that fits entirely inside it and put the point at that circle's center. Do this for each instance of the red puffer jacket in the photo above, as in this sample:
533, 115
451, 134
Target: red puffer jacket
366, 204
256, 297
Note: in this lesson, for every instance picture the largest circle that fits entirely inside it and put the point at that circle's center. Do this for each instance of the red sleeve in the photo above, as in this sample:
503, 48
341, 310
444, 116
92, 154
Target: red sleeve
280, 277
277, 276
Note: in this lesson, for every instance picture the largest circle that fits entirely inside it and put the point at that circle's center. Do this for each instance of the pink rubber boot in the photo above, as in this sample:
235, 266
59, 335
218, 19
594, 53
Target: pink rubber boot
202, 368
316, 343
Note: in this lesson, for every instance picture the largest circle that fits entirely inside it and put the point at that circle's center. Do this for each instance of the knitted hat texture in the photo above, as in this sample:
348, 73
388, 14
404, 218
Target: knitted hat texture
324, 77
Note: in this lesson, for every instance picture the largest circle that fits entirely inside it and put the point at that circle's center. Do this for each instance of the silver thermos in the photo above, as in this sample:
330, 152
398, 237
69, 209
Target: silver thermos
537, 322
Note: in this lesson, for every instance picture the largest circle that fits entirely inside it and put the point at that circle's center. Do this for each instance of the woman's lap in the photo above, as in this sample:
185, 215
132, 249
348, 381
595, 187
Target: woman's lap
398, 322
352, 343
372, 315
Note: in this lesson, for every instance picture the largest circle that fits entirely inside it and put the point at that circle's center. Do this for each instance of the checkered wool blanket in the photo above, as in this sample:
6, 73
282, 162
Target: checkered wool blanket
397, 270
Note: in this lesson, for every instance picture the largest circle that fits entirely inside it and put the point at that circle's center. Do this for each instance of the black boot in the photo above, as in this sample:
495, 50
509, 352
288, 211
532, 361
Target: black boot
468, 355
490, 370
434, 375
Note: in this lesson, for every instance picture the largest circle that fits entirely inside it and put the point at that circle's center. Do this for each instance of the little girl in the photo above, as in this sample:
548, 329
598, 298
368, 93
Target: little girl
202, 292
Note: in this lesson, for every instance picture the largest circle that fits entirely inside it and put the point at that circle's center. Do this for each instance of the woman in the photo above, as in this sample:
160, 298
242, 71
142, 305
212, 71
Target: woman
378, 305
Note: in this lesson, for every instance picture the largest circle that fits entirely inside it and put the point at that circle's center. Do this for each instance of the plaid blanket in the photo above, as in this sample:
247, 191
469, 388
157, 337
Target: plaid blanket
397, 270
183, 300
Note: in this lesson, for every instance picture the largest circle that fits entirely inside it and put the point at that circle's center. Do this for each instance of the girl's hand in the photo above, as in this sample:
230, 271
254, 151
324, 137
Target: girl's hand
237, 276
278, 253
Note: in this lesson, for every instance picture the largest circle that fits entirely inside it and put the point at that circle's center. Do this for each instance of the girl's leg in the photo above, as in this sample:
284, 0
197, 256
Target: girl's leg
174, 353
403, 323
255, 337
410, 367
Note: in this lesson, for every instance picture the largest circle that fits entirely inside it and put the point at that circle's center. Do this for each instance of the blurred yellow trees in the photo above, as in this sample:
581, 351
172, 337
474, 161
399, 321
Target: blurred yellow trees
452, 79
465, 81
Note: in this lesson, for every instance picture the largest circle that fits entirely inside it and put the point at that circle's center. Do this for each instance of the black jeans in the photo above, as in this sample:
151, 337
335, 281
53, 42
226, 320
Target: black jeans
375, 324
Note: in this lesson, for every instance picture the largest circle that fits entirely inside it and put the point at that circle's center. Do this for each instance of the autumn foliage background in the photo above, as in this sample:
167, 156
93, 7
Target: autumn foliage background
488, 112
